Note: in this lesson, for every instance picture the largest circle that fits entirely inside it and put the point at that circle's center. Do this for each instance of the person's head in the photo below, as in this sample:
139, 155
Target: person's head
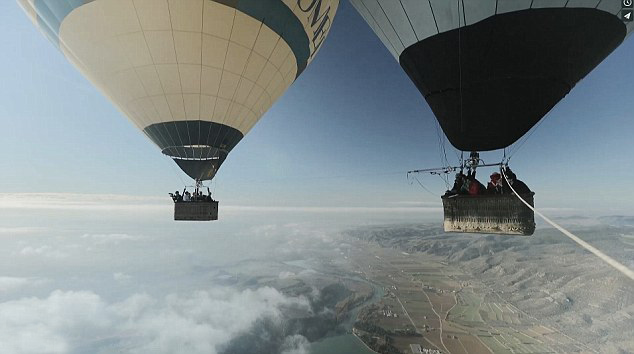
495, 177
176, 192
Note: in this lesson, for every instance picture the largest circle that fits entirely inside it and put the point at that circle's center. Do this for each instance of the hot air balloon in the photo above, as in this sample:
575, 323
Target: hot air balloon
193, 75
491, 69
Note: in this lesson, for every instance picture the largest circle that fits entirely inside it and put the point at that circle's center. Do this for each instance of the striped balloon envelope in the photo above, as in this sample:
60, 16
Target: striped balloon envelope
194, 75
491, 69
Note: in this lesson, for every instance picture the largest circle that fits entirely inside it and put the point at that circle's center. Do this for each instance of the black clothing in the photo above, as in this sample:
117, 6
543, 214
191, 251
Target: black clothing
519, 186
457, 186
494, 189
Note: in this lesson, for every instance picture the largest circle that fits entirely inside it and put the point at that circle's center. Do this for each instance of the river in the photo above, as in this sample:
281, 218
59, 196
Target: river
345, 343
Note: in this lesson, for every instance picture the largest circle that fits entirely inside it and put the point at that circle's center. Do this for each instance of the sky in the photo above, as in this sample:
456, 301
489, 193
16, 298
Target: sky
344, 134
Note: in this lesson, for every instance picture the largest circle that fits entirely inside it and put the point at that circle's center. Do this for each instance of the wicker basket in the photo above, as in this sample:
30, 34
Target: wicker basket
490, 214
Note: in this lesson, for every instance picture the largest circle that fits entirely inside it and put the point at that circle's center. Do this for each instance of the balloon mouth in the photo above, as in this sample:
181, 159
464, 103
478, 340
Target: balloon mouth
195, 152
196, 146
196, 159
199, 169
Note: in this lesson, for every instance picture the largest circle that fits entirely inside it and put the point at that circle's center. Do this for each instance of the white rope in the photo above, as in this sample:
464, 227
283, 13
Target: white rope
604, 257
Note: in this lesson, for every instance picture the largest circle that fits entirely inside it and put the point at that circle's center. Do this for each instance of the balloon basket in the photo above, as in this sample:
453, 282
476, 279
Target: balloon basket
489, 214
196, 211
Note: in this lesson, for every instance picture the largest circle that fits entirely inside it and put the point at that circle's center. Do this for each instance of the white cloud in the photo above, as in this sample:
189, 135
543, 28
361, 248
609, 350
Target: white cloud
331, 210
11, 283
115, 239
121, 276
138, 204
295, 345
417, 203
51, 325
82, 202
44, 250
22, 230
201, 322
8, 284
264, 230
286, 275
307, 272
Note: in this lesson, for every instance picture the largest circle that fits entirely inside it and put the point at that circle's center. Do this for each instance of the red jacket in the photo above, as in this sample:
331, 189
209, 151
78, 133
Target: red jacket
474, 188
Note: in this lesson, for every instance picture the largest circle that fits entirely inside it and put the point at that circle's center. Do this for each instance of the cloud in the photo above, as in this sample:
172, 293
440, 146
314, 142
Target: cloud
111, 202
617, 220
51, 325
115, 239
409, 203
9, 284
22, 230
286, 275
264, 230
44, 250
147, 204
121, 276
73, 201
295, 345
332, 210
201, 322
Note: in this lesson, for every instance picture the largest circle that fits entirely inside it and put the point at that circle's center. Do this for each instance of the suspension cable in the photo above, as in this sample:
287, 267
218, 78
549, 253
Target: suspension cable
175, 171
520, 143
215, 183
604, 257
425, 188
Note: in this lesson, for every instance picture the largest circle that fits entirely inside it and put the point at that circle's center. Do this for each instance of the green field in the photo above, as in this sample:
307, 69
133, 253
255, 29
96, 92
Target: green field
467, 309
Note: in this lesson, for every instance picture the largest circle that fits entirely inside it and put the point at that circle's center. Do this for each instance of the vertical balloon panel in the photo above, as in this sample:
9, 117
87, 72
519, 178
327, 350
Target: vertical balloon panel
195, 76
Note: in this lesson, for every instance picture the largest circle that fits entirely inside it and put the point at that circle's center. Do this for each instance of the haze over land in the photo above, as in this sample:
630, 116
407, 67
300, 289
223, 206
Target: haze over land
549, 279
97, 273
109, 274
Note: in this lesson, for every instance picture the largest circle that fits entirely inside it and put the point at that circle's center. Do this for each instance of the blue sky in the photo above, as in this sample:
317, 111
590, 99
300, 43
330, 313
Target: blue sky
343, 135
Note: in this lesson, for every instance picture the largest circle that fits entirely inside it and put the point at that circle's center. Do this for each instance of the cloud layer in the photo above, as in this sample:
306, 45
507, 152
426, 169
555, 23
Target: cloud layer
200, 322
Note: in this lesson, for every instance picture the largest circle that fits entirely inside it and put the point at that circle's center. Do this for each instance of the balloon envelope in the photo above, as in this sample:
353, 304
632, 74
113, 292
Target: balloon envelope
491, 69
193, 75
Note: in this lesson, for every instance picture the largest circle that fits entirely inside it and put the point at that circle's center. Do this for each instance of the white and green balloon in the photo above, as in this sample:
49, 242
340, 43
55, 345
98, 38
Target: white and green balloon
194, 75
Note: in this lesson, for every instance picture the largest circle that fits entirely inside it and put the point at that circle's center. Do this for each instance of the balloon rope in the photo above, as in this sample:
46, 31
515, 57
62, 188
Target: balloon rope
425, 188
174, 170
520, 142
604, 257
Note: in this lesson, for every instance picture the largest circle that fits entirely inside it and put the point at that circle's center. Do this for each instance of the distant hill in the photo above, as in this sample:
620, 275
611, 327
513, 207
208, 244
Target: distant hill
545, 275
